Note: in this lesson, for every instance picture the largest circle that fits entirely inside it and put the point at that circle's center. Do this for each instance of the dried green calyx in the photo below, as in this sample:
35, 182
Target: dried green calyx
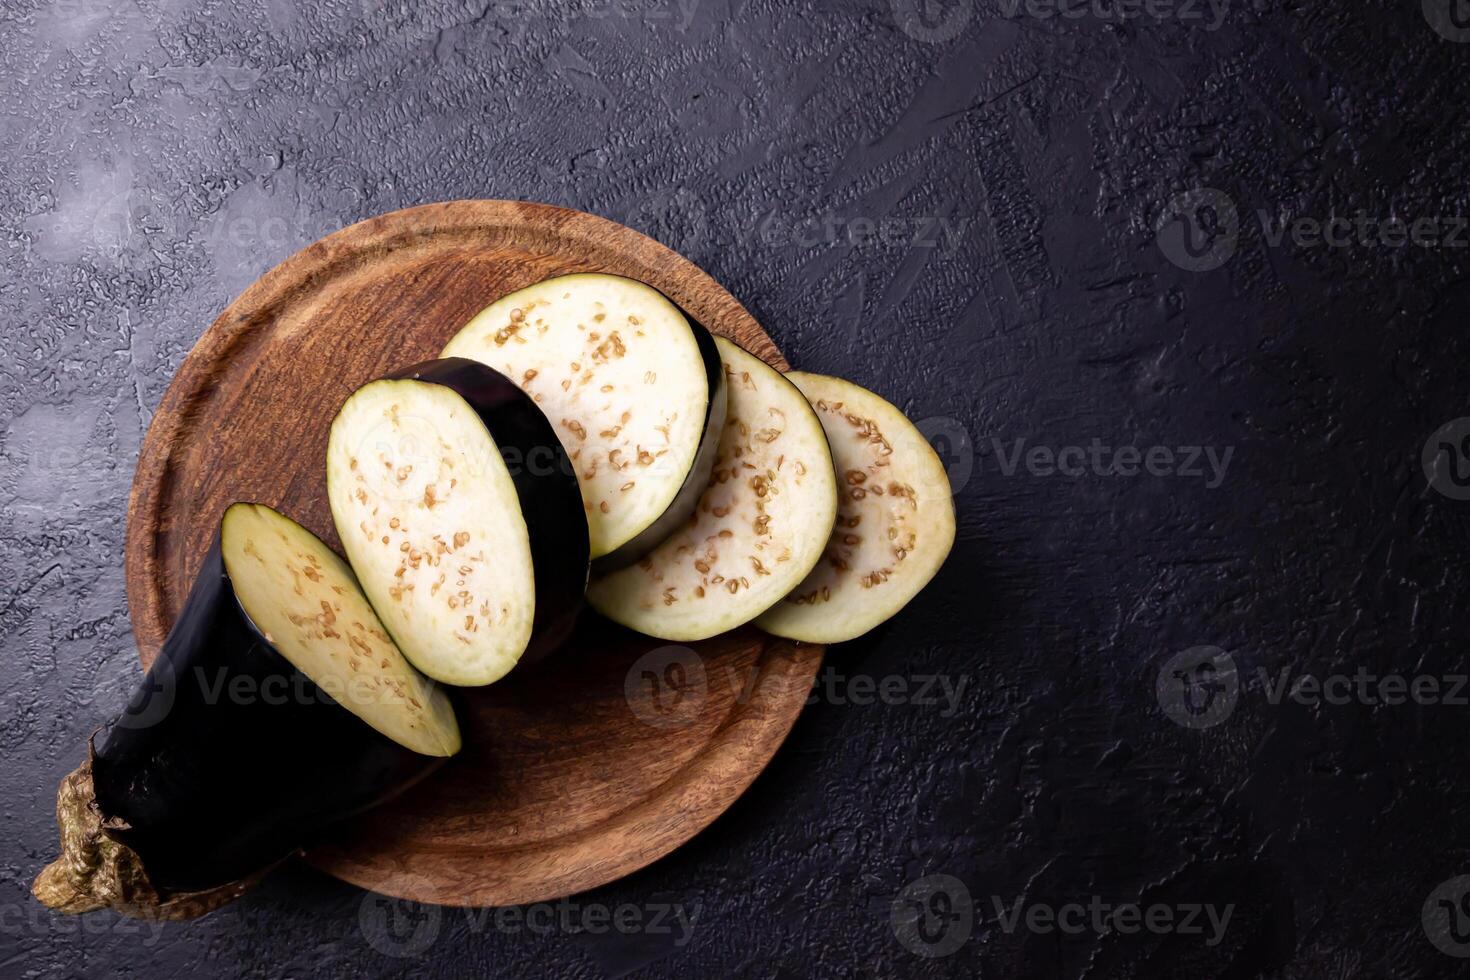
95, 872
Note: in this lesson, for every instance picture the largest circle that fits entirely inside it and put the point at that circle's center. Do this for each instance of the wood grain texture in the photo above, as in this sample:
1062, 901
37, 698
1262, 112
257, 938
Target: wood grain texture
574, 773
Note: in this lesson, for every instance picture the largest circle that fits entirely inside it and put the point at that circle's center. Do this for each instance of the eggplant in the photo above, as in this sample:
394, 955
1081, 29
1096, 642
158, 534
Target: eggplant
758, 529
277, 707
895, 520
458, 509
633, 387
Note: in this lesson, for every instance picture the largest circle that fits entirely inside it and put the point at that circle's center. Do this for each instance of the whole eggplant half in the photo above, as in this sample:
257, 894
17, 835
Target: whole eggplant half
457, 506
633, 387
277, 707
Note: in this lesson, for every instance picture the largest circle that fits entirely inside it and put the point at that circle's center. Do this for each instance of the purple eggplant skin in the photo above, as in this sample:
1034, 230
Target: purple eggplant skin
209, 786
697, 480
551, 503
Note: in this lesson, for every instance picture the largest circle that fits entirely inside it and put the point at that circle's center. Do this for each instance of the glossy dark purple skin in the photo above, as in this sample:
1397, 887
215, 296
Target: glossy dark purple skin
697, 480
209, 787
551, 503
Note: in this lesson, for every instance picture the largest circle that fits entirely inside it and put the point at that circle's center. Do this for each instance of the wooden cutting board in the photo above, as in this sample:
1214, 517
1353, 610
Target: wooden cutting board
608, 756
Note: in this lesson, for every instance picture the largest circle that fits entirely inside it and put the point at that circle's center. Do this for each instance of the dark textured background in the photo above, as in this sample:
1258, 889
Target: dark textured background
158, 155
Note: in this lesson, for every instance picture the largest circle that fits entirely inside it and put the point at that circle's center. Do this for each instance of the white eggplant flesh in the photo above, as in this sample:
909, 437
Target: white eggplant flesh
759, 527
429, 517
307, 604
631, 387
895, 521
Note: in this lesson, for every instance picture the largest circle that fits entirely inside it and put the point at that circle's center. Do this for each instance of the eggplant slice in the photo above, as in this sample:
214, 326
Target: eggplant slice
458, 509
633, 388
277, 707
760, 525
895, 522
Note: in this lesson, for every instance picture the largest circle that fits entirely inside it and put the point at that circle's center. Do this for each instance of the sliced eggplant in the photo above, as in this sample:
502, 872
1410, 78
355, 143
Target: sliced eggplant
895, 520
633, 388
760, 525
277, 707
458, 510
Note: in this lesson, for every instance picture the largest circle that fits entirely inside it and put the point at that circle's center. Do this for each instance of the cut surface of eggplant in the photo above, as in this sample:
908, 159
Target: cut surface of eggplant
895, 521
306, 603
471, 546
255, 730
632, 387
759, 528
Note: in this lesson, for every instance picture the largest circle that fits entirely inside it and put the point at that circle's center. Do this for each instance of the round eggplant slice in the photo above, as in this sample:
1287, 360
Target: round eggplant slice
458, 510
760, 525
895, 520
633, 388
277, 707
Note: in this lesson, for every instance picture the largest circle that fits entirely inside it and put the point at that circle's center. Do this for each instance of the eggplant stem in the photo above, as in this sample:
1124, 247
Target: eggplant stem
96, 872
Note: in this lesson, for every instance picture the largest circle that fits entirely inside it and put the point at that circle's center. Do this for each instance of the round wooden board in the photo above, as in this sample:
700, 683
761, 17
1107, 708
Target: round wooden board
584, 769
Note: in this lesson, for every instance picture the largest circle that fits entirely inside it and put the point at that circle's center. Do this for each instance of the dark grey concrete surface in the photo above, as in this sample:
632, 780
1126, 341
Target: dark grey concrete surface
997, 217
